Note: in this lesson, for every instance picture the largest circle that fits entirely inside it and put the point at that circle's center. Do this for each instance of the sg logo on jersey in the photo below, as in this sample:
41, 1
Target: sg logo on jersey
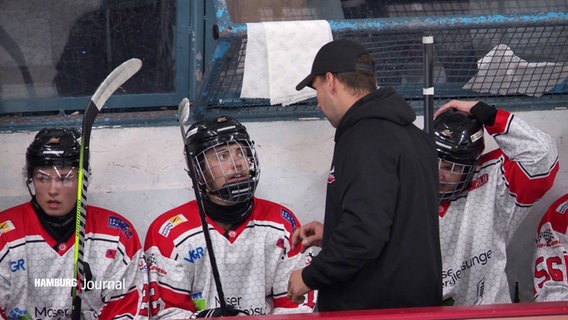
17, 265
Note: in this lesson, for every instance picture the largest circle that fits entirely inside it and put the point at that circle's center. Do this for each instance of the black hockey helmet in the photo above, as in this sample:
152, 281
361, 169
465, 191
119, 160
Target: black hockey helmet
59, 147
459, 137
209, 134
459, 141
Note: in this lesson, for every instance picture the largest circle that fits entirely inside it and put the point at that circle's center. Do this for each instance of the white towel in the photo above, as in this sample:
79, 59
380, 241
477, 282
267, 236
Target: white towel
279, 55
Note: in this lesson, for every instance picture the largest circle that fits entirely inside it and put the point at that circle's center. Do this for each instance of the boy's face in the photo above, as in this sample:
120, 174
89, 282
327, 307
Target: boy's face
55, 189
225, 164
450, 175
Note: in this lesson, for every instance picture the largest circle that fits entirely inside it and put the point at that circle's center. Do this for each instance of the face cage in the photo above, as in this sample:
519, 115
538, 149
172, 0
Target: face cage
457, 176
228, 171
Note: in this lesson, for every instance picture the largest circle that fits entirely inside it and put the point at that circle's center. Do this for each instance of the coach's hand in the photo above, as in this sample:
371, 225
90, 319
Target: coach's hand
296, 287
308, 235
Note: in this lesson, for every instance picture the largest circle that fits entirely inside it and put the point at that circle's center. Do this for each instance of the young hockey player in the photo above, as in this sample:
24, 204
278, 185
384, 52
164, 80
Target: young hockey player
37, 244
484, 198
550, 255
250, 236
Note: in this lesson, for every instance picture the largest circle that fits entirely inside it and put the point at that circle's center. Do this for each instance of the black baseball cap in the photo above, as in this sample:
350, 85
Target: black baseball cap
336, 56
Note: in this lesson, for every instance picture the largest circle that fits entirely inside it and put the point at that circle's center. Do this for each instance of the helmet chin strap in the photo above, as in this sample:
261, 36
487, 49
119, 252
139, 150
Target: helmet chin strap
28, 182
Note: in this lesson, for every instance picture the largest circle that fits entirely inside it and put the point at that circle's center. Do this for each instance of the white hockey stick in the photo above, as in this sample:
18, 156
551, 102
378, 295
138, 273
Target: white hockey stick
183, 117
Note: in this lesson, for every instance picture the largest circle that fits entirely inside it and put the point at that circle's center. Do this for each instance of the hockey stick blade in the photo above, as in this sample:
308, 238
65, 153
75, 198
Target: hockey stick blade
183, 115
114, 80
109, 85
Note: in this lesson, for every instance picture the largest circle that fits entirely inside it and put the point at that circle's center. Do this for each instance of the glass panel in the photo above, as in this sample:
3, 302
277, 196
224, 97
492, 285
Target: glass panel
67, 47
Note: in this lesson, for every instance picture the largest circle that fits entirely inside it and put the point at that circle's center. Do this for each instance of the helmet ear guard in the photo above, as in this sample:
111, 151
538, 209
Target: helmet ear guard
459, 142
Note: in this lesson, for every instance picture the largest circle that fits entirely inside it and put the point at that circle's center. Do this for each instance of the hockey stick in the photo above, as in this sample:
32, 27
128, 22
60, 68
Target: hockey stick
428, 91
113, 81
183, 117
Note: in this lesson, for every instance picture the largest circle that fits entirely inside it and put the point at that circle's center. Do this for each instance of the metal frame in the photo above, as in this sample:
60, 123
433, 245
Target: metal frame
190, 43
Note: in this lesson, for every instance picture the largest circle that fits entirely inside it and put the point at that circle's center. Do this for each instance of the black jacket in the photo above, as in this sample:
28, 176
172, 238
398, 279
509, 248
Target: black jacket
381, 245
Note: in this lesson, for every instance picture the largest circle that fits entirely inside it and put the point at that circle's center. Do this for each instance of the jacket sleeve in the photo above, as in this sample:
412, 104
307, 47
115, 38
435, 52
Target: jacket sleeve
129, 268
169, 289
367, 198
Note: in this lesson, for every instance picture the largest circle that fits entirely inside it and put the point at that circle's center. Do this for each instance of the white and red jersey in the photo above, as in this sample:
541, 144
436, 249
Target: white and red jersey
36, 273
551, 255
254, 262
475, 229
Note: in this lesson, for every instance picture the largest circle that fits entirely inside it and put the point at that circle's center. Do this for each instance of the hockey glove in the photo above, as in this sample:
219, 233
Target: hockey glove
217, 312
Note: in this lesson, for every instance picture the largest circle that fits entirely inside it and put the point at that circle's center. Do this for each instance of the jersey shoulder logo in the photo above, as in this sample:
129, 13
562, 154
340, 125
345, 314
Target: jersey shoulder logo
6, 226
288, 217
117, 223
171, 223
562, 209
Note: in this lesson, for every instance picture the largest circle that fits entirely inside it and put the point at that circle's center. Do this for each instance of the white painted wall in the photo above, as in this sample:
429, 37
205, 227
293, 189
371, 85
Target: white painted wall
139, 172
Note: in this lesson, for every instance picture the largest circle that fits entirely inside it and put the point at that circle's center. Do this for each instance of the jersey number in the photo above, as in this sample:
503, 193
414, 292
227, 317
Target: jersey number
150, 300
553, 270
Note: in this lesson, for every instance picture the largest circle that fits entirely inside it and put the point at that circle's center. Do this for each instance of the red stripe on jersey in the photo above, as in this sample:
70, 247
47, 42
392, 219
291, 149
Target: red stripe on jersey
501, 124
164, 227
127, 305
162, 297
527, 190
558, 220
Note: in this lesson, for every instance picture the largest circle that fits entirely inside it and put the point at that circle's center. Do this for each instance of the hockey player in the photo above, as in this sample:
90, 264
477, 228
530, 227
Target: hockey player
37, 244
250, 236
551, 254
484, 198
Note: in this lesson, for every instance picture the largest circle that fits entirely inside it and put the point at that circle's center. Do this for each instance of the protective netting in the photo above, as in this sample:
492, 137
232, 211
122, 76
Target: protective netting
497, 51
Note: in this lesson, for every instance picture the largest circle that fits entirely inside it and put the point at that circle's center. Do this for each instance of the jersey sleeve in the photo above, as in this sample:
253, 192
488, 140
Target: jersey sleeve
291, 260
4, 277
128, 269
550, 260
282, 304
531, 157
169, 288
